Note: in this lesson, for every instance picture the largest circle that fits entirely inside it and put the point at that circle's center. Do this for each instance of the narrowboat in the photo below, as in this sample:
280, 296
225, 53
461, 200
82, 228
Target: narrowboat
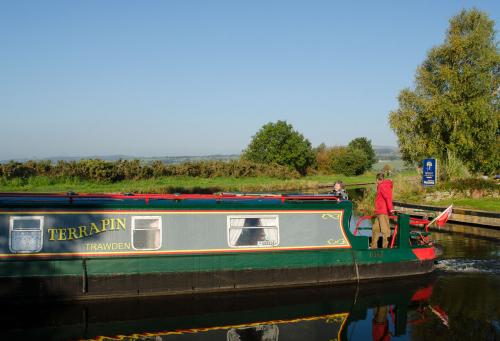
72, 246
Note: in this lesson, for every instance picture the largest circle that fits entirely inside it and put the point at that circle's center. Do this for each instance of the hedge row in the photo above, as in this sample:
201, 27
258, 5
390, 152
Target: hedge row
464, 186
106, 171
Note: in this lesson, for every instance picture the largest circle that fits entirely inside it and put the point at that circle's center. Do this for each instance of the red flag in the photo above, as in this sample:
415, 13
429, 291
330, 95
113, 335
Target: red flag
439, 312
443, 217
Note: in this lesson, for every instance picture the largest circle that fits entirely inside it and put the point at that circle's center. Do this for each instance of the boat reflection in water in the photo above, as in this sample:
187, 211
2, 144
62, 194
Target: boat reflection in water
318, 312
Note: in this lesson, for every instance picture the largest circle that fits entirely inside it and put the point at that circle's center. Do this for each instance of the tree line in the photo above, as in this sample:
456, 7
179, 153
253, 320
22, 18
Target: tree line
276, 151
107, 171
280, 143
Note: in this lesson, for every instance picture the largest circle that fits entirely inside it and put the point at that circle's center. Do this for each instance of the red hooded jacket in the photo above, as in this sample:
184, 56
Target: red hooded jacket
383, 201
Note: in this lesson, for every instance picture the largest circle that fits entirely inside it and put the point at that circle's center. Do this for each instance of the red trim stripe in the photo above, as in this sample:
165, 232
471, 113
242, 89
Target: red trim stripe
160, 253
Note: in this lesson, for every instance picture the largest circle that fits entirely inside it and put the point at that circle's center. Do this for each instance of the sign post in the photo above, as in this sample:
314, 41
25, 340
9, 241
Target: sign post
429, 173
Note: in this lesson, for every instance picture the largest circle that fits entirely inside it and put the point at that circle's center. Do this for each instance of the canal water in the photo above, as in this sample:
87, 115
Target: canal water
459, 301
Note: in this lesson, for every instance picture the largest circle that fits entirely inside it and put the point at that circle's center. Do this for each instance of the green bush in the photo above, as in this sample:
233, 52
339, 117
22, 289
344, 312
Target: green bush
453, 168
128, 169
366, 204
464, 186
14, 170
366, 146
97, 170
104, 171
354, 162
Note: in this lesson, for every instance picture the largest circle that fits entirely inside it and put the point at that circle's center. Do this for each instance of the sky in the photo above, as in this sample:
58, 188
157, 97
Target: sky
171, 78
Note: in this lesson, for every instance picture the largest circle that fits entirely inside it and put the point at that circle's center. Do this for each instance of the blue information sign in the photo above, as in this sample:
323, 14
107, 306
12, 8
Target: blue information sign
429, 173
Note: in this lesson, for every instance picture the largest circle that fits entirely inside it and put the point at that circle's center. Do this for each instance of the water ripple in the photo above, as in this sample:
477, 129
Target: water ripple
469, 265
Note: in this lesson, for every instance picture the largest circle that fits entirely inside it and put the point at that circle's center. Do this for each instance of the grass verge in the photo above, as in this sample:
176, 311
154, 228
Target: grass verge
406, 188
181, 184
482, 204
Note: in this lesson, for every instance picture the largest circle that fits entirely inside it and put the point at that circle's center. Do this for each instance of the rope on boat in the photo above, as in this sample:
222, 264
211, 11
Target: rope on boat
357, 288
355, 265
422, 239
84, 288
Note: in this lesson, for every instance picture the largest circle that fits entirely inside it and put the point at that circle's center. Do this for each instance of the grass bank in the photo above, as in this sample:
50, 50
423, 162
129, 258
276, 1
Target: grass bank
405, 188
180, 184
489, 204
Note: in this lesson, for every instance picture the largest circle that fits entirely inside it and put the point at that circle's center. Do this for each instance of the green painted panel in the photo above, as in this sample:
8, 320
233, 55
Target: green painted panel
72, 267
335, 258
113, 266
40, 268
384, 256
166, 264
206, 262
299, 259
226, 262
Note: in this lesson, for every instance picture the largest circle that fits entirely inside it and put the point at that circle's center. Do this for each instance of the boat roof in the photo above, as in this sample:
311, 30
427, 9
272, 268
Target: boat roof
133, 198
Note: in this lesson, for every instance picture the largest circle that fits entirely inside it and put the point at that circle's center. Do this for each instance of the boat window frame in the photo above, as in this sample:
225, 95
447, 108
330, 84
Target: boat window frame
252, 216
160, 227
40, 230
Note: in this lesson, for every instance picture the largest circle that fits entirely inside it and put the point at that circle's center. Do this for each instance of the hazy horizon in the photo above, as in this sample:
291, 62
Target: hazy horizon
116, 156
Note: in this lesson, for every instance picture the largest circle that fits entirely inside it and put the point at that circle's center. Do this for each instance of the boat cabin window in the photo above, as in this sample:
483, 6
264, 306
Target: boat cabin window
146, 232
253, 230
25, 234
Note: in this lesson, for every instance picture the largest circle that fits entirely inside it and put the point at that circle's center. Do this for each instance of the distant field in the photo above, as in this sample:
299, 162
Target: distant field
168, 160
396, 165
177, 160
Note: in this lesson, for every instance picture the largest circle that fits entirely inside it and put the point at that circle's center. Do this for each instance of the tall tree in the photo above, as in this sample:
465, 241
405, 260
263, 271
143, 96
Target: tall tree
280, 143
354, 162
365, 145
335, 156
455, 103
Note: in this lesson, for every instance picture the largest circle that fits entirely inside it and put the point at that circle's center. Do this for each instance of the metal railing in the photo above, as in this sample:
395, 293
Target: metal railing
413, 221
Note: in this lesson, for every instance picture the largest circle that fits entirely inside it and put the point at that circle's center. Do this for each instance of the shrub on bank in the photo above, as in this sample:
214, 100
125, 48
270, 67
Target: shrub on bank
98, 170
366, 204
25, 170
466, 187
452, 168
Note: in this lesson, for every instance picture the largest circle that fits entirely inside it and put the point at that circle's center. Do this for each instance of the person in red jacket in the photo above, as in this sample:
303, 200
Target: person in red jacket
383, 209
